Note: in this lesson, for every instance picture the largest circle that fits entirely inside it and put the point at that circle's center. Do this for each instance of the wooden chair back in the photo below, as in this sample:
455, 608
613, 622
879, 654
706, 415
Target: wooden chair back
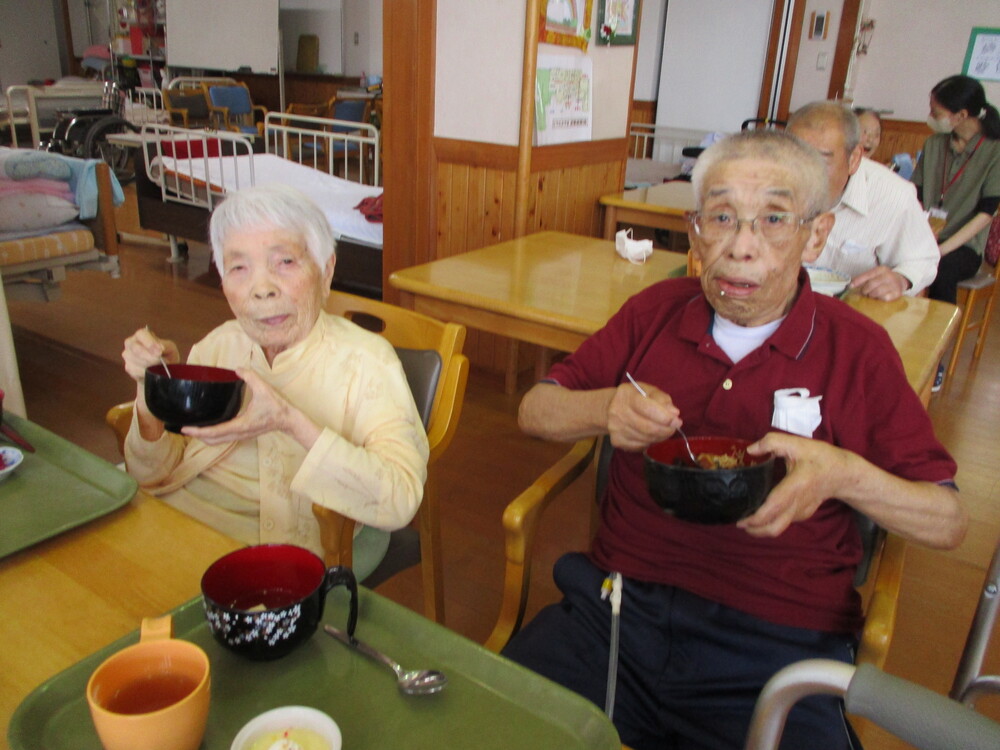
406, 329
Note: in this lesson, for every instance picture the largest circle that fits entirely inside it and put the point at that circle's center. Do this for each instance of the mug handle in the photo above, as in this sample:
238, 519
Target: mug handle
337, 575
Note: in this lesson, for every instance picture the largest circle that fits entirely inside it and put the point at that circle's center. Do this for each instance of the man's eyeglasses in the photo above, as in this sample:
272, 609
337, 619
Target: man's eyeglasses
776, 226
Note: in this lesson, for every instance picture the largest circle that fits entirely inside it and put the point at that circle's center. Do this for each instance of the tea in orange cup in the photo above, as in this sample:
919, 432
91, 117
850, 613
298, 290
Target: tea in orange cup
153, 695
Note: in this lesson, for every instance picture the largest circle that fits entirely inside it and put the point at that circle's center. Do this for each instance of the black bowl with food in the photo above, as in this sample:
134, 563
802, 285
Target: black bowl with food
263, 601
727, 485
192, 395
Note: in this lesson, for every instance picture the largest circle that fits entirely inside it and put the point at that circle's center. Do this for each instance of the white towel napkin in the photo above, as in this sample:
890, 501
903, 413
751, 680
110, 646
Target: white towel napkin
796, 412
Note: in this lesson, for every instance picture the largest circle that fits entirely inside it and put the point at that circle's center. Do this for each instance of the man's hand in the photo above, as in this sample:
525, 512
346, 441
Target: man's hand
636, 421
881, 283
814, 471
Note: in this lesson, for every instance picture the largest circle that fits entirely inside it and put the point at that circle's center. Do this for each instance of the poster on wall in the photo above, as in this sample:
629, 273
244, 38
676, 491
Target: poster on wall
982, 60
563, 101
566, 22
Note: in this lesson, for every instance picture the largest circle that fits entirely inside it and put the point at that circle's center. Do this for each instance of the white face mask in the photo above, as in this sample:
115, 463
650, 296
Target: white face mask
940, 124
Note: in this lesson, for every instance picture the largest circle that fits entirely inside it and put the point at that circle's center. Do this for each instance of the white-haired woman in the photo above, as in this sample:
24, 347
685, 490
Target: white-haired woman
329, 418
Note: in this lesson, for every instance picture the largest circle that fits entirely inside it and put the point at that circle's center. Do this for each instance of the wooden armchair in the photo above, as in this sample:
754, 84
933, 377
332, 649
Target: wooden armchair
187, 107
879, 588
232, 108
438, 382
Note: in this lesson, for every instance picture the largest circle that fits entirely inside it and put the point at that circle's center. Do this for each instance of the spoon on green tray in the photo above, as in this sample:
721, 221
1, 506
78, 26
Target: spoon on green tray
412, 682
685, 437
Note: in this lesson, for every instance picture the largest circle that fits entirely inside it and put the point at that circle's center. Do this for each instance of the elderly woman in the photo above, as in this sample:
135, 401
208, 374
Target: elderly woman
329, 417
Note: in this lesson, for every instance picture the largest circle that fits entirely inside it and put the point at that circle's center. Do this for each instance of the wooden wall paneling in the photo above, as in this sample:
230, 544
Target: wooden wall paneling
475, 219
901, 136
442, 205
459, 211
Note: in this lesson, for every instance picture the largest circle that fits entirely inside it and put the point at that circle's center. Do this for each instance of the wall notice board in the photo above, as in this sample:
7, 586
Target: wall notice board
229, 36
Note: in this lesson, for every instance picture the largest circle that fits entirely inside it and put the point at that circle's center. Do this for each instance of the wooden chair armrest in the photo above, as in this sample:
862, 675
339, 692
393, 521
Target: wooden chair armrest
520, 522
119, 418
105, 226
336, 535
880, 616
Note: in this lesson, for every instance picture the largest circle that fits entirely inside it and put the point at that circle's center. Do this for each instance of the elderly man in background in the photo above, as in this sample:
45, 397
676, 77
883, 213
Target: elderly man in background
330, 418
710, 612
881, 238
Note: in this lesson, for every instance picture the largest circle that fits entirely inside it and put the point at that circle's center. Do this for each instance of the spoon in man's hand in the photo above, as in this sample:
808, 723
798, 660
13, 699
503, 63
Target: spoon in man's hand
685, 437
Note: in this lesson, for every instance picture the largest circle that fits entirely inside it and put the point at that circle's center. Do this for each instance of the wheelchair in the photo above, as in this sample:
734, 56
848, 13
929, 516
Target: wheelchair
83, 133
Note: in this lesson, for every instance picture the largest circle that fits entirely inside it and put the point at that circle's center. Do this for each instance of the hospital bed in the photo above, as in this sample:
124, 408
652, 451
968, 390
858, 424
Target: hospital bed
186, 173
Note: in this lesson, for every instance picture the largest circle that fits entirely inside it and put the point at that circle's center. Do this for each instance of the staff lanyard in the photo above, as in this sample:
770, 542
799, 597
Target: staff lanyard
946, 188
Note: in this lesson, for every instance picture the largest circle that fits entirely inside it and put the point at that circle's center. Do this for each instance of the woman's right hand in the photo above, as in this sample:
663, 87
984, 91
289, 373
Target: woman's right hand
143, 349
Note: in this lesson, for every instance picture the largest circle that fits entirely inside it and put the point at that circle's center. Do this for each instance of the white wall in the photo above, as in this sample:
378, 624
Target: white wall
647, 65
480, 47
815, 59
477, 89
915, 44
29, 45
362, 37
713, 63
324, 18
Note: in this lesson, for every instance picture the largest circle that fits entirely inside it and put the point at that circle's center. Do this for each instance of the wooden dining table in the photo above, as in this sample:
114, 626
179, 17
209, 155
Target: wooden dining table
662, 206
73, 599
556, 289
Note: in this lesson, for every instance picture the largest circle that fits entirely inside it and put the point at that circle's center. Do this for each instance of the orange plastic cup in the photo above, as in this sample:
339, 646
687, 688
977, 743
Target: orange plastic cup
153, 695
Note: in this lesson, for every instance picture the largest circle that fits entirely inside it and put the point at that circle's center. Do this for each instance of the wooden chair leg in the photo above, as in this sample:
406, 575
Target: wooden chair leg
984, 326
970, 300
430, 551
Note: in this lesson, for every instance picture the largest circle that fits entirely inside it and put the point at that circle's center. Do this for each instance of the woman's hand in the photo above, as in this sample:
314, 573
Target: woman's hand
143, 349
265, 410
635, 421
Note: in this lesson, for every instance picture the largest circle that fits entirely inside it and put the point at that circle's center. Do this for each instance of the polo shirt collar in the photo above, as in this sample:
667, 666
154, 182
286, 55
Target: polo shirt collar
791, 339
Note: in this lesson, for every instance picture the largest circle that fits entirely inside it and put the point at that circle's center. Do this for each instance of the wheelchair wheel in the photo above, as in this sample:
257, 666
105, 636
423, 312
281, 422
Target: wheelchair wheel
118, 156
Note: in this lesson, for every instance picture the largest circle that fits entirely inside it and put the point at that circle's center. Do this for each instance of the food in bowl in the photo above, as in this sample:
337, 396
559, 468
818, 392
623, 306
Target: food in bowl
727, 485
263, 601
827, 281
721, 460
192, 395
289, 728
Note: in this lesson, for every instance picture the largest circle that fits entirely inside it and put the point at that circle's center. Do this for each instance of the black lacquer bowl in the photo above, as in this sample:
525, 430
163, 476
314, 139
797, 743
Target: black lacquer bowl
710, 496
263, 601
194, 395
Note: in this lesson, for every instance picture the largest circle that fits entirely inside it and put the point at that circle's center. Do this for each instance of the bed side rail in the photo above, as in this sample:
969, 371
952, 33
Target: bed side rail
192, 167
339, 147
661, 143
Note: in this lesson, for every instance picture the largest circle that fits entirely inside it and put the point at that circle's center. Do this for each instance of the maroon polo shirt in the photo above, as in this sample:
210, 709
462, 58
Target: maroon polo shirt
804, 577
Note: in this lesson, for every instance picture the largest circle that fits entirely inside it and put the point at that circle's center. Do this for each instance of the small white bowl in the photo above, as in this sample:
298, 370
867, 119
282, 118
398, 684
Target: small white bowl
827, 281
288, 717
12, 458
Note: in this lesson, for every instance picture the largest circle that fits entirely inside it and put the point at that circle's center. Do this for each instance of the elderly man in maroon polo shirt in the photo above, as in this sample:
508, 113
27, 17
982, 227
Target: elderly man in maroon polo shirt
709, 613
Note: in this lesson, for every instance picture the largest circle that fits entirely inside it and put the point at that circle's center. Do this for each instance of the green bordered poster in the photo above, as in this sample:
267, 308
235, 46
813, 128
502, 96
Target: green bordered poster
982, 59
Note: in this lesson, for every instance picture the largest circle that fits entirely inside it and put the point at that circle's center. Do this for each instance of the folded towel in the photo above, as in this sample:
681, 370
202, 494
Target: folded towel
371, 208
45, 187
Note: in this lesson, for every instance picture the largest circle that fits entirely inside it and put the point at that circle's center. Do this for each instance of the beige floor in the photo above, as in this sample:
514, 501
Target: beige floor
69, 354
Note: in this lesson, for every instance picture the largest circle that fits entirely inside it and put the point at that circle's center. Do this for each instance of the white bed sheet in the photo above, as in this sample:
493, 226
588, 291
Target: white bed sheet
336, 197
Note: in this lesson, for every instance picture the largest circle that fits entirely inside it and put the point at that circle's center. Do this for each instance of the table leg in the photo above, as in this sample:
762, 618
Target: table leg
610, 222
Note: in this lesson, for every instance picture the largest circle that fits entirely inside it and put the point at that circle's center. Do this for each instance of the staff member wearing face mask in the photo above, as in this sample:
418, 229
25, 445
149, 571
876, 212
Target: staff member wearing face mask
958, 178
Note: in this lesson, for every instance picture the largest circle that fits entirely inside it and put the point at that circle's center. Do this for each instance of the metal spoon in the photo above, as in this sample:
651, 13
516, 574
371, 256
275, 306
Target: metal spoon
685, 437
414, 682
163, 362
